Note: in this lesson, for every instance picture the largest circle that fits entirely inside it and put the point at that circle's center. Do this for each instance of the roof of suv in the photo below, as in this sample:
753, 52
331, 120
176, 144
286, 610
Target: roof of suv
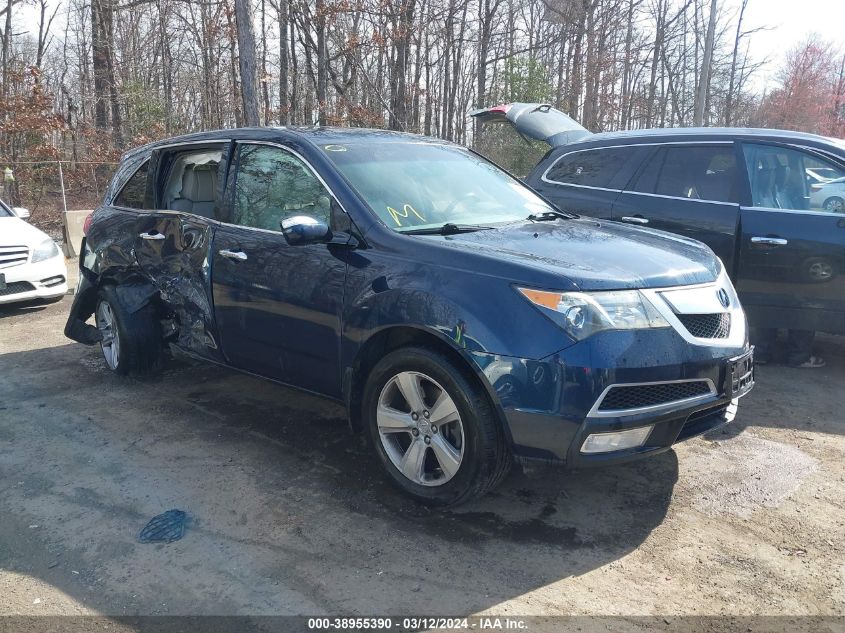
317, 135
713, 132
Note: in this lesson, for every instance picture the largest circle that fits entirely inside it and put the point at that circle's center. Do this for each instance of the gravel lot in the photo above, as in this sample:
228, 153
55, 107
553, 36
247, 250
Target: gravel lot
289, 515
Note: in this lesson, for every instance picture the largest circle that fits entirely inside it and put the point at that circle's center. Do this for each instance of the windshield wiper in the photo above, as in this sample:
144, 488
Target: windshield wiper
551, 214
446, 229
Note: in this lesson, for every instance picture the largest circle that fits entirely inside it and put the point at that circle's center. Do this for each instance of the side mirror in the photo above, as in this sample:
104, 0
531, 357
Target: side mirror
22, 213
300, 230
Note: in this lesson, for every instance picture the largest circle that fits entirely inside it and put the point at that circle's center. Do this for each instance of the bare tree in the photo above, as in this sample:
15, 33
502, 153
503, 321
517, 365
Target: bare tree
704, 78
246, 61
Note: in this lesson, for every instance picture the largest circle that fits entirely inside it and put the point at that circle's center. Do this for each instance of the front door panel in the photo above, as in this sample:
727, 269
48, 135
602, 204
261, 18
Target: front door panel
278, 306
792, 269
792, 249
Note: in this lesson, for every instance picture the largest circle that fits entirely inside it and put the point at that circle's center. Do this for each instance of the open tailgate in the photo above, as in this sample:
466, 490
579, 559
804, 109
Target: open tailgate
538, 121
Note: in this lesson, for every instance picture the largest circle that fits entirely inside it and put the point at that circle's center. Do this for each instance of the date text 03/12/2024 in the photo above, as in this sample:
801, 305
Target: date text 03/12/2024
480, 623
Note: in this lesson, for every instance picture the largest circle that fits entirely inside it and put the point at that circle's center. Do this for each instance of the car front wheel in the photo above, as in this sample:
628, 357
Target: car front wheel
433, 428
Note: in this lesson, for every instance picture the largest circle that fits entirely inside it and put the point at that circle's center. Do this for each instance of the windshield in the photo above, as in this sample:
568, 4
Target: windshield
5, 211
412, 186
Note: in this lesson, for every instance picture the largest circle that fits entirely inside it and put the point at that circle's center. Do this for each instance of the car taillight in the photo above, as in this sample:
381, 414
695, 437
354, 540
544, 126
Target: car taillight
87, 224
503, 109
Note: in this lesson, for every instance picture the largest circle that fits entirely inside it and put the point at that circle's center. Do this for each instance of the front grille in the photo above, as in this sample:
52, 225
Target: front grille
636, 396
16, 287
13, 255
717, 325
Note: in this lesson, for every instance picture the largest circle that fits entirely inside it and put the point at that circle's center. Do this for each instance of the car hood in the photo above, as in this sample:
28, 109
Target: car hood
16, 232
598, 255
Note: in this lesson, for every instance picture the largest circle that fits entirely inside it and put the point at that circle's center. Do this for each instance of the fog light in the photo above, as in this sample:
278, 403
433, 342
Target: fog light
53, 281
607, 442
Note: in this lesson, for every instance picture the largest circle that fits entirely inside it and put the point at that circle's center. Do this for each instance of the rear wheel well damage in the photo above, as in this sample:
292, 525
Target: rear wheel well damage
132, 323
391, 339
134, 293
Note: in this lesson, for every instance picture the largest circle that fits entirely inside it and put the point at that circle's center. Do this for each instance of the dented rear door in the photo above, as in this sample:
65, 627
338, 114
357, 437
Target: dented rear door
172, 248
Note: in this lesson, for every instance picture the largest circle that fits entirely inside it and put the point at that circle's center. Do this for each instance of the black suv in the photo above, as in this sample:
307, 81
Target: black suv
768, 202
462, 320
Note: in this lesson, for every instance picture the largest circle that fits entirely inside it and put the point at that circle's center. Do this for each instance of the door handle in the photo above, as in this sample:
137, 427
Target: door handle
770, 241
151, 236
238, 256
634, 219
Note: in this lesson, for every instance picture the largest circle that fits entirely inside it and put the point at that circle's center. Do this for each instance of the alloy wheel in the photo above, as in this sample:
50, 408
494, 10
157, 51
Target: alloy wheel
835, 205
420, 428
111, 340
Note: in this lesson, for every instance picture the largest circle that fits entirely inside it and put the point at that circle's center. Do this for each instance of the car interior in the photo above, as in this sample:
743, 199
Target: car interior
192, 183
777, 182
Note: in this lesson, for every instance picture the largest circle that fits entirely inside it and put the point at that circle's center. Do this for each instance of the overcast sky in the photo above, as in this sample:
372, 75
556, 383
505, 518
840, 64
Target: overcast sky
791, 21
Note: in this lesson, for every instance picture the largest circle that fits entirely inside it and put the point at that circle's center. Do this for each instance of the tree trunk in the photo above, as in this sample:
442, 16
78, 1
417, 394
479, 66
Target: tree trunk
246, 59
99, 66
729, 100
704, 80
284, 96
322, 61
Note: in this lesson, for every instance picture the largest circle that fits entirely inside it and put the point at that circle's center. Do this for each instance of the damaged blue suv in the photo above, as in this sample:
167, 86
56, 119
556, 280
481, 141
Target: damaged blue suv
464, 322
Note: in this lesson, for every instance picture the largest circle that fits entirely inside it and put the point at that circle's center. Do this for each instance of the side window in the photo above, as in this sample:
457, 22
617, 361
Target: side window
592, 167
786, 178
272, 185
694, 172
133, 194
192, 181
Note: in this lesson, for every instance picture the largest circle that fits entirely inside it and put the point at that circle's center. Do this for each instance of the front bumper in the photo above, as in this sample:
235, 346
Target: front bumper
551, 405
668, 428
32, 282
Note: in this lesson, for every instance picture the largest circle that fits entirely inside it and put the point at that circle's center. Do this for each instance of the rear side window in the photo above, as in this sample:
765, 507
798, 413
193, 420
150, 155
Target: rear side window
133, 194
592, 167
192, 183
694, 172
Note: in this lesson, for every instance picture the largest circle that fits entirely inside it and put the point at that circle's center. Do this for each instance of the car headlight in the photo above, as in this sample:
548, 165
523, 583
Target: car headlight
582, 314
45, 250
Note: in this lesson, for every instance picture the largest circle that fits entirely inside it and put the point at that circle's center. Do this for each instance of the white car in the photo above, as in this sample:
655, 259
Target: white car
828, 196
32, 267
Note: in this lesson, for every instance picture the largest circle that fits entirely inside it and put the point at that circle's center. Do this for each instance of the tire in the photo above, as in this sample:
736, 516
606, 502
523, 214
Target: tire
134, 336
834, 204
453, 459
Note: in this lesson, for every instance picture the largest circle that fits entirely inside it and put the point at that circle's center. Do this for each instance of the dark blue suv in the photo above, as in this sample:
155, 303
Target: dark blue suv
463, 321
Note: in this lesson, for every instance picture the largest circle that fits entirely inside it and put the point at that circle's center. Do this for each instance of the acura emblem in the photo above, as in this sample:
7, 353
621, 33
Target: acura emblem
724, 299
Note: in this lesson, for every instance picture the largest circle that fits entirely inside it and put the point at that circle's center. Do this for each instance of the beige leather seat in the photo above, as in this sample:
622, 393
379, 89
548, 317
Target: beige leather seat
199, 191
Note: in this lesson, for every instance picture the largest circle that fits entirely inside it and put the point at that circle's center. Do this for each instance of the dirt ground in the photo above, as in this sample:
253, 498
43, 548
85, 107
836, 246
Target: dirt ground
289, 514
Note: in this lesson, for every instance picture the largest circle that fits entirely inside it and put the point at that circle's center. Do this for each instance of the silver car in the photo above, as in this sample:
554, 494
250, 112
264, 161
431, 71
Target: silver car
828, 196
